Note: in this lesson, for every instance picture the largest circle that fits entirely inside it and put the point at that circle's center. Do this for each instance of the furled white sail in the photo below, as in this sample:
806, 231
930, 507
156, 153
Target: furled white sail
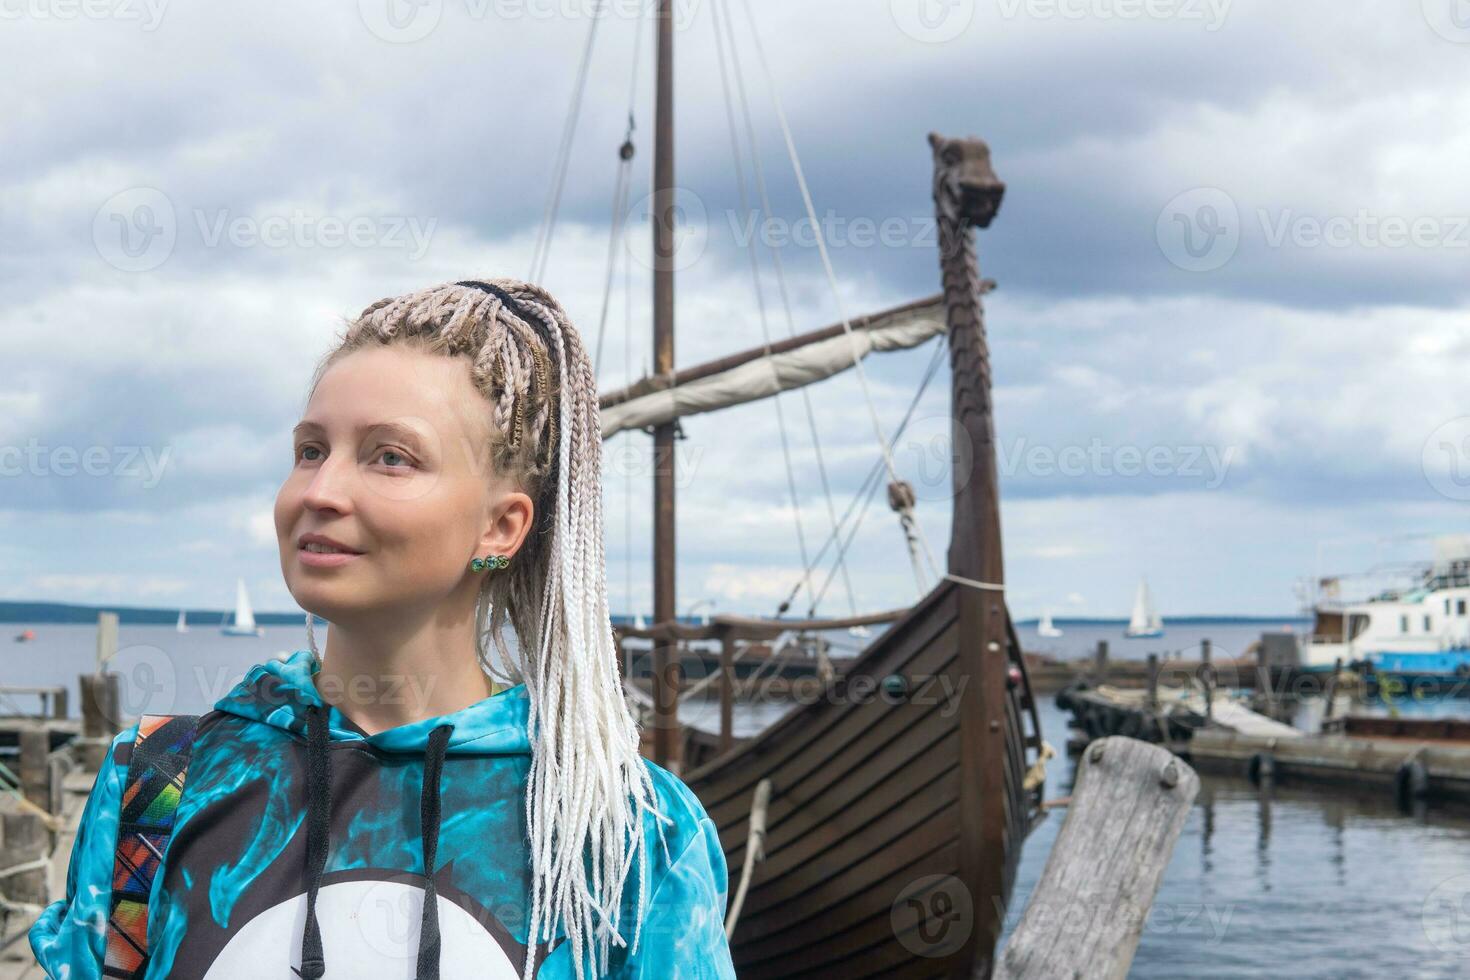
1138, 622
1145, 620
244, 615
1046, 627
767, 375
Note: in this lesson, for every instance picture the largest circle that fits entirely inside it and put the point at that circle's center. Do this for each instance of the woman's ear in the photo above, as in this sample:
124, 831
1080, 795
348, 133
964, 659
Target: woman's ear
510, 520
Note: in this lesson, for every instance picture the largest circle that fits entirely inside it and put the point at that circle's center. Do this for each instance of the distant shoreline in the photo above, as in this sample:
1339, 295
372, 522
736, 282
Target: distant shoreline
60, 612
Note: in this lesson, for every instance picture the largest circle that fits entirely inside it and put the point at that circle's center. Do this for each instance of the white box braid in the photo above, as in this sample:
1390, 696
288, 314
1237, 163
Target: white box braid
588, 786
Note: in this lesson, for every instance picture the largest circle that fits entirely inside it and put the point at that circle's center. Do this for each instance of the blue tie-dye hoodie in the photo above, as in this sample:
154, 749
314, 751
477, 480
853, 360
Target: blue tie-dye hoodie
230, 899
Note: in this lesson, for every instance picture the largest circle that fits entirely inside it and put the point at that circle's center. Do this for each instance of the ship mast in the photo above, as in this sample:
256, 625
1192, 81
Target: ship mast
667, 744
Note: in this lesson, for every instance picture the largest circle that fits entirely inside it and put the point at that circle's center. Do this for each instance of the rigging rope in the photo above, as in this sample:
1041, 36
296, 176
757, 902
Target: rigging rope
563, 156
760, 301
864, 493
811, 213
719, 10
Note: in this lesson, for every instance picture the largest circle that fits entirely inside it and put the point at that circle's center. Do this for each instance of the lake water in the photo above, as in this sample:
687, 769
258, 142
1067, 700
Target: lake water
1286, 883
1293, 882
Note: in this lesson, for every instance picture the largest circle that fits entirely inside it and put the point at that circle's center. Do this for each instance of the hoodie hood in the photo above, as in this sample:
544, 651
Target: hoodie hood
280, 693
283, 694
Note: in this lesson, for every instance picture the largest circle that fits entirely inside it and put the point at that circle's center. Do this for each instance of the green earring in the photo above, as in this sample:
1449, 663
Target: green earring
491, 561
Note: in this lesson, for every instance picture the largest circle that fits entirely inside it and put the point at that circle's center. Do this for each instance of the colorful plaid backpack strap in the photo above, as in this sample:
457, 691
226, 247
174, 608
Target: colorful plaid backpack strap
155, 783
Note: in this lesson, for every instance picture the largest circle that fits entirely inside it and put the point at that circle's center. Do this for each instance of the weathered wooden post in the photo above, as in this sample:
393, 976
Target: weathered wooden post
106, 639
24, 840
1087, 913
101, 705
59, 703
1153, 682
101, 717
1100, 663
1331, 693
727, 691
1207, 677
1263, 675
35, 770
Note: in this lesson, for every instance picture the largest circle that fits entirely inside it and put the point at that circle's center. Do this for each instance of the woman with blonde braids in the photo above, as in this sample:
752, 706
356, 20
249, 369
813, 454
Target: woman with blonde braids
382, 807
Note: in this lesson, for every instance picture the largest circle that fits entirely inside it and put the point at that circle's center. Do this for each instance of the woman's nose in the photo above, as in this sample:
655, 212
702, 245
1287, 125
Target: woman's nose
330, 487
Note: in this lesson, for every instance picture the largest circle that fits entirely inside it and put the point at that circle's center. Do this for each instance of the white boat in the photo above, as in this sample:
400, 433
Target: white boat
1411, 621
1045, 627
244, 624
182, 627
1145, 622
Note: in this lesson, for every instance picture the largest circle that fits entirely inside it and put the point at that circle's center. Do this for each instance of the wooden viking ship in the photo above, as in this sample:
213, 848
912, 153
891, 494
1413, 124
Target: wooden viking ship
873, 831
898, 804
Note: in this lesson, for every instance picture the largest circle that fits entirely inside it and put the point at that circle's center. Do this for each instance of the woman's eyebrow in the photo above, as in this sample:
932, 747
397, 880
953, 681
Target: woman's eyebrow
397, 429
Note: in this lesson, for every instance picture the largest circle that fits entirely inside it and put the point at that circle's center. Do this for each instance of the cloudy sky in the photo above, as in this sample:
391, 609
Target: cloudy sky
1230, 337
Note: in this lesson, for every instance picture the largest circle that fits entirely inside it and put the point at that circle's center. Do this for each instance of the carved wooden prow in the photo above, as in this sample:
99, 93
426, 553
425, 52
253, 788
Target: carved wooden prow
967, 194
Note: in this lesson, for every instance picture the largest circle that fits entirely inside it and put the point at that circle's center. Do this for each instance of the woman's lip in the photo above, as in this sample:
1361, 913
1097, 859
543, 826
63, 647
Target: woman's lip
325, 559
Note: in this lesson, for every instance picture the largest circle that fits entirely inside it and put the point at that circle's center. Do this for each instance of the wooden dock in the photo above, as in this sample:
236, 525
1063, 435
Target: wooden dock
1405, 765
1168, 716
48, 765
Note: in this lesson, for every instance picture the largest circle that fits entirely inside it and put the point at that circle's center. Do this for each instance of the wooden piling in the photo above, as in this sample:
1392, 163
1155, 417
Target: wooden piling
24, 839
101, 705
1086, 914
1153, 681
35, 771
727, 693
1331, 693
106, 639
1207, 677
1100, 663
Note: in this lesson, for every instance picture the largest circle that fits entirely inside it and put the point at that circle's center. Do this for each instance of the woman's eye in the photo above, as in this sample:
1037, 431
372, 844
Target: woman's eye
301, 453
389, 455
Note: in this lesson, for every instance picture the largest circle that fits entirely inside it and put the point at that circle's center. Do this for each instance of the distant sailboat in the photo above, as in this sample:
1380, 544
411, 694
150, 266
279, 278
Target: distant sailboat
182, 627
1145, 621
244, 624
1045, 627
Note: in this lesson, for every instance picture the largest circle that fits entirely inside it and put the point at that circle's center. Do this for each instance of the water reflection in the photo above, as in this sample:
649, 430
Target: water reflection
1289, 879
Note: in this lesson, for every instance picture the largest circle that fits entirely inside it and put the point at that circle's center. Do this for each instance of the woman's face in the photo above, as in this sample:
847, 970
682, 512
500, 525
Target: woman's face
392, 462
